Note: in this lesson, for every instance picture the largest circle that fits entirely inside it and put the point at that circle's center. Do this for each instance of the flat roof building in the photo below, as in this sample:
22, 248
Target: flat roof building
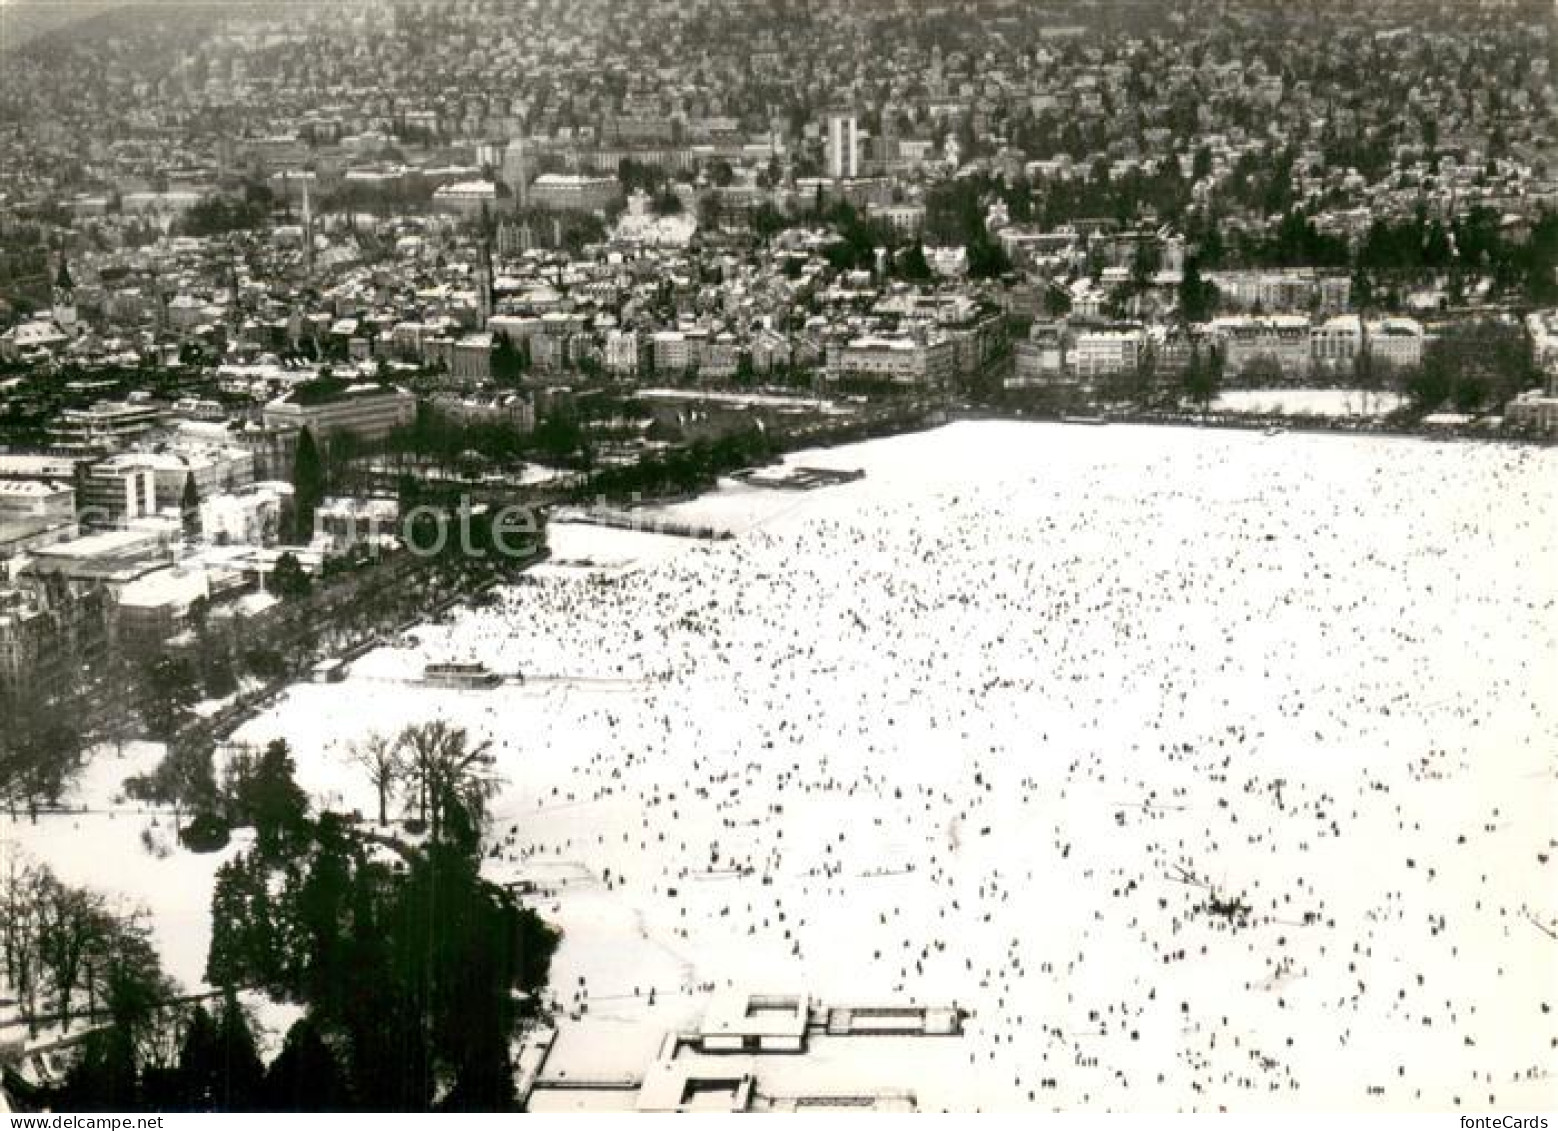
106, 426
742, 1022
574, 192
370, 412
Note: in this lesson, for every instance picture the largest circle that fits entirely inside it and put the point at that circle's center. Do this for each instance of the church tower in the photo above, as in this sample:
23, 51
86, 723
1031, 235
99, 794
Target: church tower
484, 285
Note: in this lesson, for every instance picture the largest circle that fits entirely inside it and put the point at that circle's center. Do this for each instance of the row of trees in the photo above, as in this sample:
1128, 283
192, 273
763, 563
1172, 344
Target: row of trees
1473, 366
443, 778
217, 215
955, 216
200, 1059
1470, 367
679, 470
69, 954
41, 744
435, 767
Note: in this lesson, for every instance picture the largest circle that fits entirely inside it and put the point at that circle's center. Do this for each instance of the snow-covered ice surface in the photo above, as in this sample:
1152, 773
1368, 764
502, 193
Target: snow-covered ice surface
598, 549
962, 731
979, 727
1308, 402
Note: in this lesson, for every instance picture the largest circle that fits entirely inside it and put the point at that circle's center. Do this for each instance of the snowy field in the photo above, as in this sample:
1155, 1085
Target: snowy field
996, 724
1308, 402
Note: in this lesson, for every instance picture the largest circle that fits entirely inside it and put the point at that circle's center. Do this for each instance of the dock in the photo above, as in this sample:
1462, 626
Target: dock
799, 478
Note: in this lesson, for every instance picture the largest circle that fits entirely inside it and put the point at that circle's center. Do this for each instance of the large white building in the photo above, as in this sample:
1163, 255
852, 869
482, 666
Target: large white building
574, 192
673, 353
251, 517
36, 501
843, 146
1281, 340
1107, 353
371, 412
117, 491
1274, 292
1335, 343
216, 470
622, 352
466, 199
106, 425
901, 361
906, 219
1394, 343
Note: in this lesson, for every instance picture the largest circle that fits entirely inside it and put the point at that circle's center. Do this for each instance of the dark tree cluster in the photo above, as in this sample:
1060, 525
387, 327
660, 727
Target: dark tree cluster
692, 467
414, 971
955, 217
41, 744
73, 959
216, 215
1473, 366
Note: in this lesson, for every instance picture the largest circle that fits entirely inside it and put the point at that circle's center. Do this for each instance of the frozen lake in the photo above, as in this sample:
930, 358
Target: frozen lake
999, 723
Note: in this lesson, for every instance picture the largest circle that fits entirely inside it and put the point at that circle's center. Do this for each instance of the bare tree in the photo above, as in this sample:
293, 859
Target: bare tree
450, 775
60, 943
381, 757
73, 924
18, 931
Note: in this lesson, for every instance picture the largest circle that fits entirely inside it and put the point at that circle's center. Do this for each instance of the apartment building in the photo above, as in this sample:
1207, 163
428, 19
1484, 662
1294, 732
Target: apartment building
898, 360
1107, 353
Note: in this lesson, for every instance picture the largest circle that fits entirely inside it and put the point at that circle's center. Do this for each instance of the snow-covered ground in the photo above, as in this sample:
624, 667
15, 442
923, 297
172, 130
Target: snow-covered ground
130, 850
1308, 402
991, 725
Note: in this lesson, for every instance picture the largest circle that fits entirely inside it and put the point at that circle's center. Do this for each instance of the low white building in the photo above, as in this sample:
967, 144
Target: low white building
1396, 342
741, 1022
30, 339
574, 192
1534, 409
247, 518
1106, 353
466, 198
347, 523
1542, 325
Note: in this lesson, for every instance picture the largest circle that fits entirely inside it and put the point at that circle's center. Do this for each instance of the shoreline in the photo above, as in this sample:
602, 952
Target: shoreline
1253, 422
